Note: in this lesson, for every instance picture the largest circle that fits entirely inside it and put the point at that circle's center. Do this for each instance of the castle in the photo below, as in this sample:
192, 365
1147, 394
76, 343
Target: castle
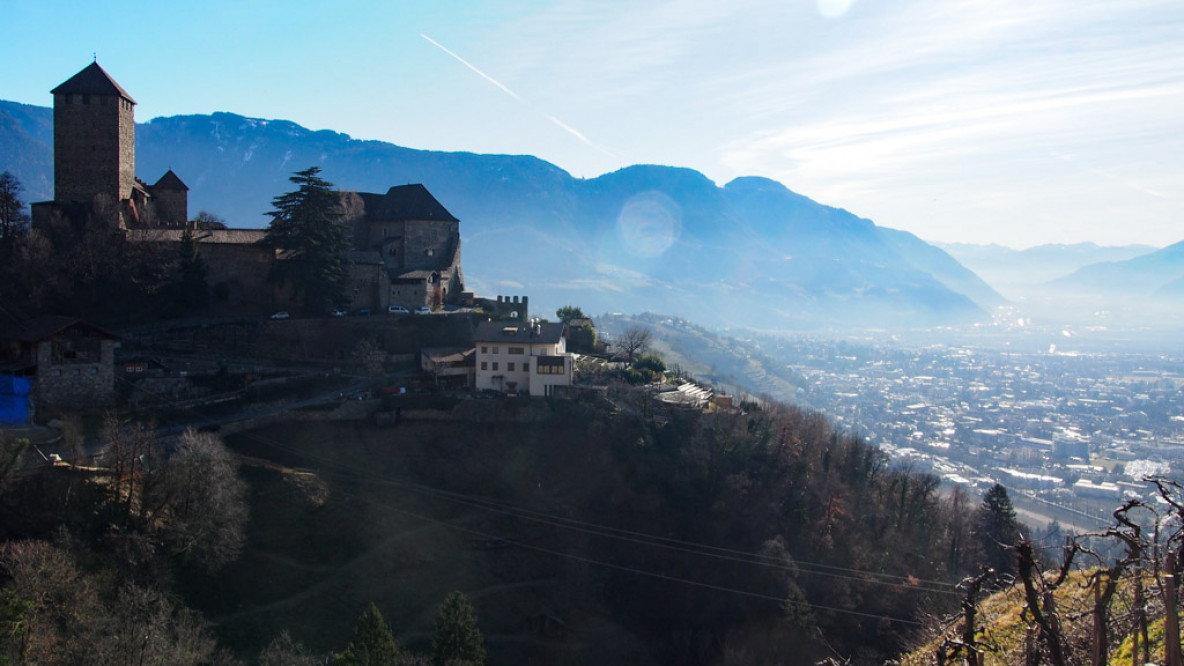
94, 160
406, 245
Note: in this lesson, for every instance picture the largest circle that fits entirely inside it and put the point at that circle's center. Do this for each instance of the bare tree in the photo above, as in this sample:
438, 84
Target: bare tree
370, 356
634, 341
127, 447
198, 502
206, 221
283, 650
1040, 603
14, 222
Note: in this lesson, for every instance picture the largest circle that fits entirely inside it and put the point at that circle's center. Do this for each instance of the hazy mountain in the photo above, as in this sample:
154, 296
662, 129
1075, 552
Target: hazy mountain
1158, 274
1016, 271
643, 238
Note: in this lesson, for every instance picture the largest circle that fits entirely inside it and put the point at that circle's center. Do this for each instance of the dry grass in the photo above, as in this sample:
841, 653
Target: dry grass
1003, 630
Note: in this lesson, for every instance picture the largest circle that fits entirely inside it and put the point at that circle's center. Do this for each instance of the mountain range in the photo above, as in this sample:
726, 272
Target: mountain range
750, 253
1014, 272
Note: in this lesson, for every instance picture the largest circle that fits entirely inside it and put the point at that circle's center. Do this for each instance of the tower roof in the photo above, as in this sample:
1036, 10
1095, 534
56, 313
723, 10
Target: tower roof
170, 181
405, 202
92, 80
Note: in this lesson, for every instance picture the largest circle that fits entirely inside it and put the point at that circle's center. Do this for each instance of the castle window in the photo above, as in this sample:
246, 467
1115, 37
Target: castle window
497, 350
517, 350
495, 366
484, 365
484, 349
510, 367
431, 252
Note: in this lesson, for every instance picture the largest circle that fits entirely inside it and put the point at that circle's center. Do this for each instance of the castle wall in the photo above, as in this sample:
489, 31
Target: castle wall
366, 286
410, 293
242, 270
428, 245
94, 147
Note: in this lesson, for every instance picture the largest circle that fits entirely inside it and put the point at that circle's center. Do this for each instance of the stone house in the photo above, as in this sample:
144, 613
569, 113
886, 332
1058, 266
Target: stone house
522, 358
418, 242
71, 362
449, 366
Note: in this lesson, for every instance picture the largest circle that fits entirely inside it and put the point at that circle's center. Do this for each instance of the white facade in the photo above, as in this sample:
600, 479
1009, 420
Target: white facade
522, 358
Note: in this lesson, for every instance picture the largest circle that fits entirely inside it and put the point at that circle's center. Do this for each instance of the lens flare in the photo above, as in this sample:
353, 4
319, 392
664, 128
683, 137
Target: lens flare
649, 223
833, 8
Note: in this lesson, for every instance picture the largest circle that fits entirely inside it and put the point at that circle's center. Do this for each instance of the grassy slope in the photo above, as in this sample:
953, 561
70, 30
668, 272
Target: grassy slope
1002, 628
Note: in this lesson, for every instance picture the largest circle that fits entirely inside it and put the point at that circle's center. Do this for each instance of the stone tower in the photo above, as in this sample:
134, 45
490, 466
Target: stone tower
94, 138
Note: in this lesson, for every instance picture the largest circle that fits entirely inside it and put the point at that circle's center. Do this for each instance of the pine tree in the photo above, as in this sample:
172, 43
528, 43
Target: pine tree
997, 530
306, 224
372, 643
457, 637
192, 288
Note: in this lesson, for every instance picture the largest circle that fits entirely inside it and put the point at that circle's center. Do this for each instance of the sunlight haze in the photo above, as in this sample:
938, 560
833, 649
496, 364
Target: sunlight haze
990, 121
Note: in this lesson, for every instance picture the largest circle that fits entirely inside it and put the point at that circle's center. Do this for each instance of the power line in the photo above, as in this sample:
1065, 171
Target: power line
641, 538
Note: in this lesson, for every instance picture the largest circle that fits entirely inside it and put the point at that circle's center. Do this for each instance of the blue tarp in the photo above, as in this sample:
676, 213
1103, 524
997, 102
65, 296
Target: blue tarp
14, 399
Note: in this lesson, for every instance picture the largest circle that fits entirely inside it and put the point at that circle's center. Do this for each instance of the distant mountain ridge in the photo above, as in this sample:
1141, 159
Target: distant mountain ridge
750, 253
1157, 274
1008, 269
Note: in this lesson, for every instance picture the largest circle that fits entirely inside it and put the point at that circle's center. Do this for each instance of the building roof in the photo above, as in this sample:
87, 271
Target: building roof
92, 80
170, 181
439, 355
41, 328
544, 333
405, 202
416, 275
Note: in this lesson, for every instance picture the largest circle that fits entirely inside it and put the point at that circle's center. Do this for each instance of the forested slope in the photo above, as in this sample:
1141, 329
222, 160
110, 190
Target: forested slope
614, 532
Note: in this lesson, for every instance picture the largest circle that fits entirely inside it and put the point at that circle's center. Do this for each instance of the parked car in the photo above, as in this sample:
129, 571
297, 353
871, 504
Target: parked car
337, 313
282, 314
423, 310
362, 312
397, 309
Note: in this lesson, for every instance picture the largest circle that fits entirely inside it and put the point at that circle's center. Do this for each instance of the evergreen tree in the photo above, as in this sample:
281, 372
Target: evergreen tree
192, 289
997, 530
568, 313
372, 643
457, 637
306, 224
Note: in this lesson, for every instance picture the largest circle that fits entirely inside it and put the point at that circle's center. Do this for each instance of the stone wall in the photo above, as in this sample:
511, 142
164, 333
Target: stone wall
63, 383
243, 269
409, 293
367, 286
506, 307
428, 245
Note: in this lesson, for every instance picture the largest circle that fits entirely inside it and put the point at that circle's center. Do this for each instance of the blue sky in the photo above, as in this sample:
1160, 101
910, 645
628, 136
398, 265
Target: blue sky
1013, 122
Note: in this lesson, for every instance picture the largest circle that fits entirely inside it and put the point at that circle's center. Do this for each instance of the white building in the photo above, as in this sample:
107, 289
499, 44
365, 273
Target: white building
528, 358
